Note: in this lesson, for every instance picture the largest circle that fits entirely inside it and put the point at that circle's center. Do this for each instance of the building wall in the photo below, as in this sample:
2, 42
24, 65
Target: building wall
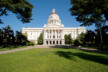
34, 33
74, 31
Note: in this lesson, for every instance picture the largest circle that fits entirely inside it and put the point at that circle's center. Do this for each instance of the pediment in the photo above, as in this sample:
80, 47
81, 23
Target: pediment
54, 26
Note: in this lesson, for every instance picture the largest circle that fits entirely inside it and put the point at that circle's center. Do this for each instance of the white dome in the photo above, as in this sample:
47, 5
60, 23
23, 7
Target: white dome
54, 18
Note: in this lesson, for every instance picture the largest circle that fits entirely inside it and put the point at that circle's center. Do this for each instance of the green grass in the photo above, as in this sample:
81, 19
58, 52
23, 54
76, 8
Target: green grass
105, 47
53, 60
13, 47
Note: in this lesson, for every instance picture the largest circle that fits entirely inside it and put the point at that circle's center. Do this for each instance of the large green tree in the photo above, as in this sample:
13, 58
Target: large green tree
90, 12
81, 37
22, 9
40, 39
68, 39
7, 36
20, 39
90, 37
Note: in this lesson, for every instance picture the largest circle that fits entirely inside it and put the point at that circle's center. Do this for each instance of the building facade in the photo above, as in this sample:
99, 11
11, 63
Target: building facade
53, 32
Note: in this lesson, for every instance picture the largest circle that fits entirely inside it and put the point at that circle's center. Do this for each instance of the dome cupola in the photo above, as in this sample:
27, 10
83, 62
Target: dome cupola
54, 18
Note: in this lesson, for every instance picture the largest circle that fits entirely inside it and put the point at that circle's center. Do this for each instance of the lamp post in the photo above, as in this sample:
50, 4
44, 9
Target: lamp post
94, 39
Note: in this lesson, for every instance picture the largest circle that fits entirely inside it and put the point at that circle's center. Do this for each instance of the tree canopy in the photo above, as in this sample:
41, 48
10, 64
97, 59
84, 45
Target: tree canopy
22, 9
40, 39
90, 12
68, 39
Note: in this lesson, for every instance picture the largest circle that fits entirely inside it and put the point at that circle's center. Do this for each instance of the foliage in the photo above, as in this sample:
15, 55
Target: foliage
53, 60
40, 39
22, 8
81, 37
7, 36
90, 12
77, 42
30, 43
104, 31
90, 37
20, 38
8, 39
68, 39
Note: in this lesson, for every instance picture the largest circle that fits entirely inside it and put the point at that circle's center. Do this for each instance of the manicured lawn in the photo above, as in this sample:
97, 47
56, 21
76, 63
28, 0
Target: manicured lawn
13, 47
53, 60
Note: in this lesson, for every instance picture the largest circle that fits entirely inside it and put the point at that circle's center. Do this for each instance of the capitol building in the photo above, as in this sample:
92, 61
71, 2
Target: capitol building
53, 32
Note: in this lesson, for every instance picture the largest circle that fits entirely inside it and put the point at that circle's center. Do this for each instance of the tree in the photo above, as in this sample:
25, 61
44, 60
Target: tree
90, 12
68, 39
81, 37
20, 38
1, 37
89, 37
40, 39
77, 42
104, 31
8, 35
22, 8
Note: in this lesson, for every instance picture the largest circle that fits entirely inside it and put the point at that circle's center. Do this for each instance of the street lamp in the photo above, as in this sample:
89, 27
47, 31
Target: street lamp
94, 39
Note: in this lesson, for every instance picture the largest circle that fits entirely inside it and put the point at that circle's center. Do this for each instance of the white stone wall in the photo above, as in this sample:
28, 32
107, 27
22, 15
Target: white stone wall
32, 33
74, 31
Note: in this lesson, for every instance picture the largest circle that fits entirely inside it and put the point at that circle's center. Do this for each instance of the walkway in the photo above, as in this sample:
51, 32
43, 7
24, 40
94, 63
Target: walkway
53, 46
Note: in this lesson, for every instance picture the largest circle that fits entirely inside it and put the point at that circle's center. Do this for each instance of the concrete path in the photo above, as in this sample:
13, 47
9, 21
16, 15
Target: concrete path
53, 46
22, 49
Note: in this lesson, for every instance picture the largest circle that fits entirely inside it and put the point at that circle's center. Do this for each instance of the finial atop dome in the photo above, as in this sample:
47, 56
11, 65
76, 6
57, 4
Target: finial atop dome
53, 10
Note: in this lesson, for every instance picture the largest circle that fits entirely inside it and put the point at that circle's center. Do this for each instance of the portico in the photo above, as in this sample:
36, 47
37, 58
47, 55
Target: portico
53, 36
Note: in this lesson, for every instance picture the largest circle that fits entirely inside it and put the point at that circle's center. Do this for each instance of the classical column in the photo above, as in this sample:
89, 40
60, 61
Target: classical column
58, 42
59, 34
55, 34
45, 34
55, 42
62, 42
62, 34
52, 33
48, 34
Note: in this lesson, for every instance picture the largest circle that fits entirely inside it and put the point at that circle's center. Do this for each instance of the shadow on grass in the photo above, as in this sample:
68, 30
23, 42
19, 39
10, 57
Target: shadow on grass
62, 46
95, 58
95, 51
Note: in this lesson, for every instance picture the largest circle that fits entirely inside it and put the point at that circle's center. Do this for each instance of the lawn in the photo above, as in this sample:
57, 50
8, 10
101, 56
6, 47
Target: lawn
53, 60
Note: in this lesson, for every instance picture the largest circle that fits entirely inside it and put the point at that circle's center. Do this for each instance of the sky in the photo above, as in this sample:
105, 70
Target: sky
41, 12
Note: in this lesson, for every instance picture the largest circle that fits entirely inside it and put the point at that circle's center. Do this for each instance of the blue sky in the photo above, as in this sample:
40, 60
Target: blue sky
41, 12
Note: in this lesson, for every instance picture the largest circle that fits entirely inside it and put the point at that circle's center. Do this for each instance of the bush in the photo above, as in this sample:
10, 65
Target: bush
27, 43
31, 43
77, 42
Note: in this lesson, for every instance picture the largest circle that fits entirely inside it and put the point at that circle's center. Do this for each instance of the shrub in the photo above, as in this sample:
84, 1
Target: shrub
27, 43
77, 42
31, 43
